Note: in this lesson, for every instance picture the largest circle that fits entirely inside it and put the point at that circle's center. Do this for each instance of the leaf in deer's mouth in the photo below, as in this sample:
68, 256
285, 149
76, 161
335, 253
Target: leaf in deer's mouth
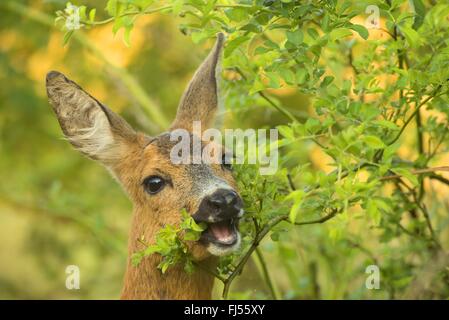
224, 233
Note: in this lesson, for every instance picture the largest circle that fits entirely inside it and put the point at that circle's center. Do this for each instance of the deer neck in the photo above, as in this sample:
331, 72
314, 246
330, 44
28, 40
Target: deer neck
146, 281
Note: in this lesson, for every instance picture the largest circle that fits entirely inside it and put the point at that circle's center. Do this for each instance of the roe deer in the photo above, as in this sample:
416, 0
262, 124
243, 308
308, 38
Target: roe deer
158, 188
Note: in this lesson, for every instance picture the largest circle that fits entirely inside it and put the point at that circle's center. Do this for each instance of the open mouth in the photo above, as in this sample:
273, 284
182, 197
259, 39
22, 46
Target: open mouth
223, 233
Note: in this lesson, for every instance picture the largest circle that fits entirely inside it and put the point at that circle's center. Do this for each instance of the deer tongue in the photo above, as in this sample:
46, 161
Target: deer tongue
222, 231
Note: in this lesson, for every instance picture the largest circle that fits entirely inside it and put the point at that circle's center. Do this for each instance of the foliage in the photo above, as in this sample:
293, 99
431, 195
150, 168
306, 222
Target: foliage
171, 244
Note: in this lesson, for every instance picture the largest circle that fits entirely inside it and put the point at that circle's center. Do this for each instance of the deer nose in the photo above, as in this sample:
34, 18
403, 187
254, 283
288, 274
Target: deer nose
223, 199
225, 203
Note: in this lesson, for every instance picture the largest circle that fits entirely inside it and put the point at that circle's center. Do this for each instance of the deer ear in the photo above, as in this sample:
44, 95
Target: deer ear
91, 127
200, 100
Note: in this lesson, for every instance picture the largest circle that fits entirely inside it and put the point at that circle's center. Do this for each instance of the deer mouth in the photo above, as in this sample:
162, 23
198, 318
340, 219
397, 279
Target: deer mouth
223, 234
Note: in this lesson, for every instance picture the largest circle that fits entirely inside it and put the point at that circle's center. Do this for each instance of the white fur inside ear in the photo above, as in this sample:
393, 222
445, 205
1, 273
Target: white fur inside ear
96, 140
90, 126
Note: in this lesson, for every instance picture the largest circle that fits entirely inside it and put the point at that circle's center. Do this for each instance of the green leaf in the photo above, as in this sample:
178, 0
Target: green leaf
420, 13
411, 36
92, 15
197, 227
234, 44
111, 7
313, 33
301, 75
406, 173
67, 37
191, 235
257, 85
136, 258
163, 266
286, 131
237, 14
361, 30
313, 125
326, 81
296, 37
339, 33
252, 27
373, 211
386, 124
274, 80
297, 196
274, 236
177, 6
287, 75
403, 282
373, 142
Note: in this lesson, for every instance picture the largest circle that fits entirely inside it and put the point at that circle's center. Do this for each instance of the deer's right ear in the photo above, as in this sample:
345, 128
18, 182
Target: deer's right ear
200, 99
91, 127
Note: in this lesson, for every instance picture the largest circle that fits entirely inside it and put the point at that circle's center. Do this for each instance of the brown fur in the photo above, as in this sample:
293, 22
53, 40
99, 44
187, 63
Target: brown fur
131, 157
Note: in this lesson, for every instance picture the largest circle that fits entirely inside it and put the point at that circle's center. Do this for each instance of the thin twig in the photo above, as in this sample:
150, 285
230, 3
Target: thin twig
430, 97
281, 109
290, 182
439, 178
266, 274
417, 172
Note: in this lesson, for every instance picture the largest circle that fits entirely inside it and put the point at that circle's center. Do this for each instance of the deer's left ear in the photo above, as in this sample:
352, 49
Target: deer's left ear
200, 100
91, 127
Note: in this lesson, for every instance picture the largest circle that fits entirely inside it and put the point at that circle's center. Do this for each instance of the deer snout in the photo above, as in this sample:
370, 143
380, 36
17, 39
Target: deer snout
221, 211
223, 204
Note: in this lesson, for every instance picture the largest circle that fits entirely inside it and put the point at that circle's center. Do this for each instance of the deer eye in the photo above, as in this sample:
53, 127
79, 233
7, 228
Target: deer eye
153, 184
224, 162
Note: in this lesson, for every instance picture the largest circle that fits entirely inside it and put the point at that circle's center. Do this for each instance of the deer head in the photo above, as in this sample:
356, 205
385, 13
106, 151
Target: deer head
158, 188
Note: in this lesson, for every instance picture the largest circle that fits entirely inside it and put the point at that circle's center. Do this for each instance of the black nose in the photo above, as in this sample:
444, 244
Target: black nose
222, 199
220, 205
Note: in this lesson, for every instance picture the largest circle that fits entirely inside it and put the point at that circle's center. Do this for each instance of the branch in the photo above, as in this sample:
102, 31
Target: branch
259, 237
439, 178
421, 171
327, 217
266, 274
281, 109
160, 9
430, 97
